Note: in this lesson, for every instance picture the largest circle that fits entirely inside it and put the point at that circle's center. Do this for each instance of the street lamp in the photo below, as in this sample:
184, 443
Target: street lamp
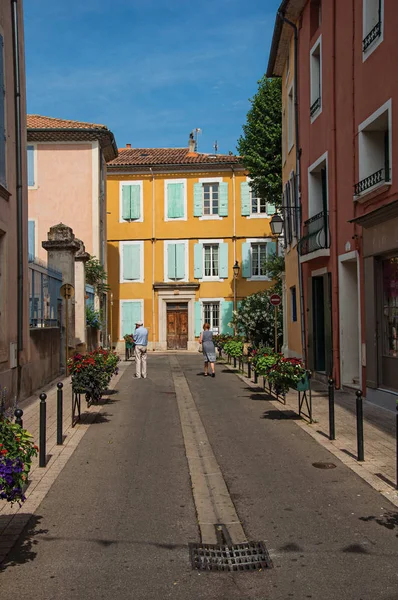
276, 225
236, 269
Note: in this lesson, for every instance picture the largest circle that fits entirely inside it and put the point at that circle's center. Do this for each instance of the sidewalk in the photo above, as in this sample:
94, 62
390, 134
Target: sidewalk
13, 519
379, 467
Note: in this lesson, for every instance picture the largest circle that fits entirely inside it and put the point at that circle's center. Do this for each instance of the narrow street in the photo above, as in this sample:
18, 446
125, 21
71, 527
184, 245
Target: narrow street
119, 518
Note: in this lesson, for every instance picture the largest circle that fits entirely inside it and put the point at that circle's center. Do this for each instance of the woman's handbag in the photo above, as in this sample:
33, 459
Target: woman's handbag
200, 349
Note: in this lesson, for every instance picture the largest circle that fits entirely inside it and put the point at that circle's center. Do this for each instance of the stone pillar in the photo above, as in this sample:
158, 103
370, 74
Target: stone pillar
81, 257
62, 246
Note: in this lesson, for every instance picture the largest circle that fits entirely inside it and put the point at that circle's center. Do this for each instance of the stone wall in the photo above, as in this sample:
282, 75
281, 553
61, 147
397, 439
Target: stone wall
45, 363
92, 335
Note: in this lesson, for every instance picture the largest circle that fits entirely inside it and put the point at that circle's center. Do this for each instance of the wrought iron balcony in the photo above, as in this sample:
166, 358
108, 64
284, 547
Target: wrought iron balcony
372, 36
370, 181
315, 234
315, 106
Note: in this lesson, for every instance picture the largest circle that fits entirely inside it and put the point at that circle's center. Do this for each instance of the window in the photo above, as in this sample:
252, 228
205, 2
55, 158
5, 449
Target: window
31, 239
258, 205
175, 200
131, 311
259, 256
290, 119
315, 16
3, 163
31, 166
131, 201
374, 150
211, 315
210, 198
254, 254
293, 300
211, 260
176, 261
316, 80
373, 17
317, 187
131, 262
390, 307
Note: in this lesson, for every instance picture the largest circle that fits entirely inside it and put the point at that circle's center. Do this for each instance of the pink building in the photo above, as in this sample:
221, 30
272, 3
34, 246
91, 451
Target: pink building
348, 142
14, 325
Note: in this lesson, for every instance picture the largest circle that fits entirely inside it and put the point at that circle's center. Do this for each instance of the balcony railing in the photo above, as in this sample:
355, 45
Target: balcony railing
315, 234
368, 182
315, 106
372, 36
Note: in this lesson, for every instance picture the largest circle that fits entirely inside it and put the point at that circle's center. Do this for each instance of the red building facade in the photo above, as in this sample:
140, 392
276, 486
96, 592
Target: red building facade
348, 149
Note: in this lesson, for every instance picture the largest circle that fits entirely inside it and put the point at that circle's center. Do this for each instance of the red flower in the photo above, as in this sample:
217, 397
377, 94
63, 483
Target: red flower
4, 451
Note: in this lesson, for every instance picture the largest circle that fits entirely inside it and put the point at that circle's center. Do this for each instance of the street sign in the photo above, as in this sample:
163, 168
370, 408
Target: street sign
275, 299
67, 291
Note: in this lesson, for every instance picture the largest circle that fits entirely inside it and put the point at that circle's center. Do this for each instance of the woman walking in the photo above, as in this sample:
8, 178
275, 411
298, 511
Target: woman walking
209, 351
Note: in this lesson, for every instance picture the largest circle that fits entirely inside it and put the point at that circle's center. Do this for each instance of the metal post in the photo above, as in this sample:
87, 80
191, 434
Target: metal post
66, 334
42, 431
361, 455
332, 430
276, 328
60, 394
18, 416
234, 362
249, 370
255, 376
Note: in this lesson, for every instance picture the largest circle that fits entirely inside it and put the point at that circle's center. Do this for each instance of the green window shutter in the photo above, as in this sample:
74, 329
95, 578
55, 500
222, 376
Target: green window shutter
198, 261
223, 270
271, 210
197, 199
171, 261
180, 261
246, 266
131, 313
135, 202
245, 199
31, 165
226, 316
198, 319
31, 239
271, 249
131, 262
175, 200
126, 194
223, 212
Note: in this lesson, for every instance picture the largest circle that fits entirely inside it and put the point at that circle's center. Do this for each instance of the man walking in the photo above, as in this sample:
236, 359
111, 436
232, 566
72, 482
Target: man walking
141, 342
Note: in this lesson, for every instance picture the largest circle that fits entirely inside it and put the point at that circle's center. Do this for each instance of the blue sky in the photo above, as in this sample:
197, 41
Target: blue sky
148, 69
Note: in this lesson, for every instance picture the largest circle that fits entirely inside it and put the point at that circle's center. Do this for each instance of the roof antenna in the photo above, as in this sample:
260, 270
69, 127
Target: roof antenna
215, 146
196, 132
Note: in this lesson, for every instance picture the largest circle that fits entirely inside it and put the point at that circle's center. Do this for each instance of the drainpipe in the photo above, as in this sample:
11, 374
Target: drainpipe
335, 280
298, 180
19, 190
234, 208
153, 260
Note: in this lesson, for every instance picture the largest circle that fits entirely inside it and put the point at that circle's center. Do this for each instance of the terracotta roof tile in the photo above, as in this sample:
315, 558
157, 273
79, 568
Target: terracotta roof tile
168, 156
40, 122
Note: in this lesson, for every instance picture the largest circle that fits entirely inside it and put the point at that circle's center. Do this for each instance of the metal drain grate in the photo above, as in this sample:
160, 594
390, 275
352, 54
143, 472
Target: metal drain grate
250, 556
323, 465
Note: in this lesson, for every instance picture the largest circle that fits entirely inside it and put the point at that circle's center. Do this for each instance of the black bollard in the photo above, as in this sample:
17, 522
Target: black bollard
332, 429
234, 362
361, 454
249, 369
255, 377
60, 394
42, 431
18, 416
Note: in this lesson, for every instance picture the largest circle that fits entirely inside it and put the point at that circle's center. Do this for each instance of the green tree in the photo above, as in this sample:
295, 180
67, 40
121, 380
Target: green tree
261, 143
275, 267
96, 276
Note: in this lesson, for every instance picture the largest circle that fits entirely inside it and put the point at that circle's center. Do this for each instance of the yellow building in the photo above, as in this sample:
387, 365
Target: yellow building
282, 64
178, 221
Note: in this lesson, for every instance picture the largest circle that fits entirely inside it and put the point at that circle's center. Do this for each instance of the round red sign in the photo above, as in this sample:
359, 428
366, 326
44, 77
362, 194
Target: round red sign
275, 299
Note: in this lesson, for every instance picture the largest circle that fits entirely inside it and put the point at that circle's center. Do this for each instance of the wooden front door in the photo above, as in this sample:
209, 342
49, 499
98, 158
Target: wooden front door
177, 326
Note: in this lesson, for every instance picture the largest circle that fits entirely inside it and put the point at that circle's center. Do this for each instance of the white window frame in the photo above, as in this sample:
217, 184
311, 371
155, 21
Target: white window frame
184, 182
376, 43
322, 159
290, 119
121, 302
166, 244
131, 243
210, 243
210, 180
212, 301
318, 44
255, 215
131, 182
35, 186
385, 108
263, 240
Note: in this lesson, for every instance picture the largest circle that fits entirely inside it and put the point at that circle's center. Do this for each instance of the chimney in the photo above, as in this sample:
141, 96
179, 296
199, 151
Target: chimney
128, 145
191, 143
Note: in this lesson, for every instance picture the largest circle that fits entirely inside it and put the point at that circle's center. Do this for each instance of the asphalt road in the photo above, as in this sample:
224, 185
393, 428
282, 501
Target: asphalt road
118, 520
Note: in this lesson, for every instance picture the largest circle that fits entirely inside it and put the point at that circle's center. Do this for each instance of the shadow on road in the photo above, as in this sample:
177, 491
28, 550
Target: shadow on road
23, 550
281, 415
388, 520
